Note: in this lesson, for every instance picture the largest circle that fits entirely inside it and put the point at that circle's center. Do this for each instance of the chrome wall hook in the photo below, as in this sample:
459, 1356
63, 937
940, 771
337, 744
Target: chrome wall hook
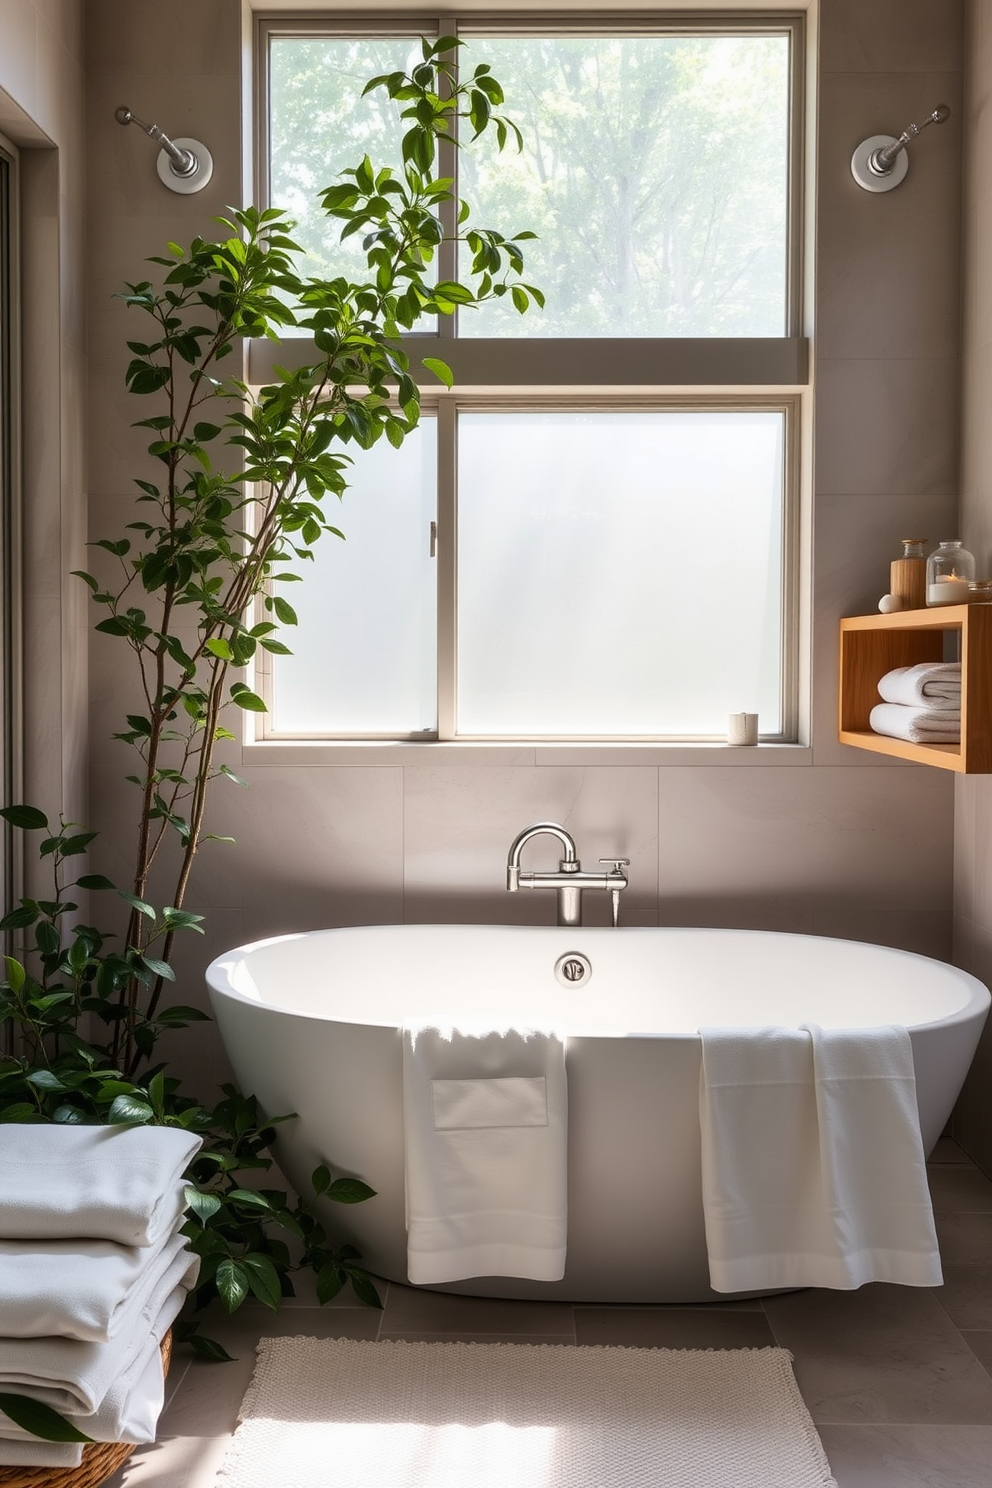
880, 162
184, 165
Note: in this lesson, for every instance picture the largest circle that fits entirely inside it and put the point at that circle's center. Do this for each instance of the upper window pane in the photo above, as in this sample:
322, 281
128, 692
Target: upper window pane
320, 125
655, 173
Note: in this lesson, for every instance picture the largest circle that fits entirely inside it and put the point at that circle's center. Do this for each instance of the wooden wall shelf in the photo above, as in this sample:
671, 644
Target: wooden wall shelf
871, 645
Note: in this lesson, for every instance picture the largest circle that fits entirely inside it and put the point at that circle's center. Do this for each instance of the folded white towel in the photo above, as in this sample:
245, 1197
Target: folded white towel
813, 1167
485, 1123
917, 725
75, 1288
934, 684
72, 1376
32, 1452
131, 1407
92, 1182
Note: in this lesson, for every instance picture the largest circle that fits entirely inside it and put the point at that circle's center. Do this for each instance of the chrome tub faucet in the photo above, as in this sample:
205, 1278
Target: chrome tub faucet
569, 880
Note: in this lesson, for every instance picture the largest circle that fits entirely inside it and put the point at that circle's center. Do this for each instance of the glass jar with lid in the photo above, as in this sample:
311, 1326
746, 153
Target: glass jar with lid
950, 568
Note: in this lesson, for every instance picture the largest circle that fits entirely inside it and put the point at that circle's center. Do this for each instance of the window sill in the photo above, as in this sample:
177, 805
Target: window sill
324, 752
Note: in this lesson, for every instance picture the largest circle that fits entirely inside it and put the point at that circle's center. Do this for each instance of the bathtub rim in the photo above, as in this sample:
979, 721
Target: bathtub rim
218, 981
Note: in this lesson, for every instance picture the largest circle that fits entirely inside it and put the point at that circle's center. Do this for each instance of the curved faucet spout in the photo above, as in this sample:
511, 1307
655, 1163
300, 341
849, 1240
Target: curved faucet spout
540, 829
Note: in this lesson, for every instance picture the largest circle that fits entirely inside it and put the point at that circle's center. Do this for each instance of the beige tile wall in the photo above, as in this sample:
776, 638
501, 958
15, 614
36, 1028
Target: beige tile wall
973, 796
838, 842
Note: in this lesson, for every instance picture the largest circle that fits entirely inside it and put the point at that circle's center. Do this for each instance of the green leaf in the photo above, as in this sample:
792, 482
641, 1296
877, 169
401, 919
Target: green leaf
245, 698
16, 975
364, 1288
330, 1280
349, 1191
263, 1278
220, 648
440, 369
94, 881
44, 1079
203, 1205
209, 1348
321, 1180
178, 1015
128, 1110
40, 1420
232, 1284
249, 1197
28, 818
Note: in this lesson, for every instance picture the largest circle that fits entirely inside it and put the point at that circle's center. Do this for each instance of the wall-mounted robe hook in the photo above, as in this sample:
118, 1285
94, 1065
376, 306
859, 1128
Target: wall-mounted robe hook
184, 165
880, 162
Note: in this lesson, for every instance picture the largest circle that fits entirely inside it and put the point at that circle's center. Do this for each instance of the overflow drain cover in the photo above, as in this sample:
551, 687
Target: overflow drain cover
573, 969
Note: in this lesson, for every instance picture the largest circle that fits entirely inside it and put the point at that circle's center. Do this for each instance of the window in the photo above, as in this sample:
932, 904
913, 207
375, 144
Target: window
593, 535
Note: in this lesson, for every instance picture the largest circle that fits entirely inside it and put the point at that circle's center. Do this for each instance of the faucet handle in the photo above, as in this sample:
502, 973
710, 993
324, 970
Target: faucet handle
617, 863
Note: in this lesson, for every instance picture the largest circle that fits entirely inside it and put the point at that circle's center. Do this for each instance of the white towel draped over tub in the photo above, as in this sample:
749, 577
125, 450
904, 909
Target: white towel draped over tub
485, 1126
813, 1164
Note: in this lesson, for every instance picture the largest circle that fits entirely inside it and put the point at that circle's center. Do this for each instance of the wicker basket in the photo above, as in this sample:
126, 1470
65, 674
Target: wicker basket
100, 1461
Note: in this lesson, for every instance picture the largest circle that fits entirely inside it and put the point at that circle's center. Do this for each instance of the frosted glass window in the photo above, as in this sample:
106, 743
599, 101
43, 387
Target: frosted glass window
619, 573
364, 657
655, 171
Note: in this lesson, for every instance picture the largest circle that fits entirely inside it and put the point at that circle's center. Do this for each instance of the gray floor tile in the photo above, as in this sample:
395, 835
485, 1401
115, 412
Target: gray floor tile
173, 1462
909, 1456
956, 1189
980, 1344
965, 1239
206, 1403
881, 1354
409, 1309
948, 1151
672, 1327
966, 1295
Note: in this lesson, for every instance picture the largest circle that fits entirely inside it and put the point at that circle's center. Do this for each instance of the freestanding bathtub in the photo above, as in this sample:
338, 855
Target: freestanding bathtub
312, 1024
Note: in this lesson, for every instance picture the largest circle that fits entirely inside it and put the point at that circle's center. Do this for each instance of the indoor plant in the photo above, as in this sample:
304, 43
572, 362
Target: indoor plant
242, 482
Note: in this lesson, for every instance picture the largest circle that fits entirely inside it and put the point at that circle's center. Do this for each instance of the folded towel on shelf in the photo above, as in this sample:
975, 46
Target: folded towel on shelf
92, 1182
31, 1451
813, 1166
131, 1407
81, 1289
485, 1130
916, 725
74, 1377
933, 684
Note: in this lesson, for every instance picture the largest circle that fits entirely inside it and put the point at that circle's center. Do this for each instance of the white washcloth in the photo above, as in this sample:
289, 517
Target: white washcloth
932, 684
74, 1288
485, 1123
33, 1452
131, 1407
917, 725
812, 1160
93, 1182
74, 1377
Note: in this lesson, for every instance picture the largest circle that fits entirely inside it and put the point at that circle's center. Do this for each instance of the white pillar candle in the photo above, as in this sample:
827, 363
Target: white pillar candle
742, 728
947, 589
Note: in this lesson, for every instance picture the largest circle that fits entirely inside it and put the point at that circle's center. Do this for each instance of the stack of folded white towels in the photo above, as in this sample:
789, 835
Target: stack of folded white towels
93, 1271
921, 703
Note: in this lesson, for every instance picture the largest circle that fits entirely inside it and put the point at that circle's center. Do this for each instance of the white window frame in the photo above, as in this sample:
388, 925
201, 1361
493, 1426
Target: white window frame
730, 374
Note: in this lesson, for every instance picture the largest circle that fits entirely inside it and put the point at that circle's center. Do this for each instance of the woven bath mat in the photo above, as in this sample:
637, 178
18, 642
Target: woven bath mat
449, 1415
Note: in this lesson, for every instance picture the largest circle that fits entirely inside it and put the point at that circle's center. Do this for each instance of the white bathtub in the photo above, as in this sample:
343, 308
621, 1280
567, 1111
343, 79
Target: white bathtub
311, 1023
